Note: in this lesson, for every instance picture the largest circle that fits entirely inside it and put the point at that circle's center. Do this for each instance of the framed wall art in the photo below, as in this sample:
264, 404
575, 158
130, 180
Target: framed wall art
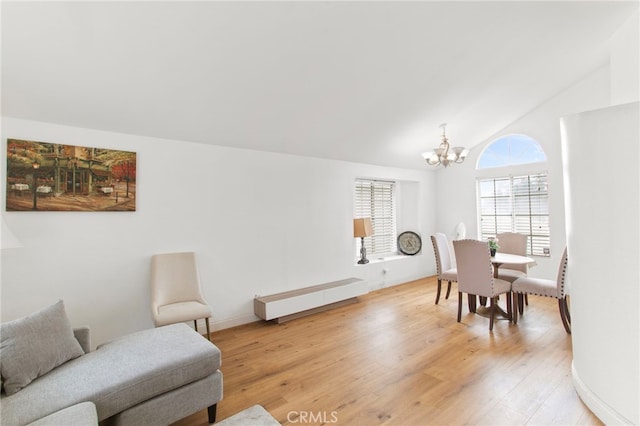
45, 176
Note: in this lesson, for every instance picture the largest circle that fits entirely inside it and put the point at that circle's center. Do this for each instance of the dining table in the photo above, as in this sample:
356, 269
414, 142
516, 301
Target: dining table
497, 261
44, 189
500, 259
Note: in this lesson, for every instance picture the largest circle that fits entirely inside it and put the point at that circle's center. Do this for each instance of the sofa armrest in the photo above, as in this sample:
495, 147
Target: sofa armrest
83, 337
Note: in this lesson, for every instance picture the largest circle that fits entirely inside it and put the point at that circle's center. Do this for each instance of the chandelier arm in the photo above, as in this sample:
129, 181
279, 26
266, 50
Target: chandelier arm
445, 145
432, 163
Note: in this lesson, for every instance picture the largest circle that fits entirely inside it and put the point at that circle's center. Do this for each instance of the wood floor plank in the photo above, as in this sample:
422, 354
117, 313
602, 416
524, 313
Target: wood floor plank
396, 358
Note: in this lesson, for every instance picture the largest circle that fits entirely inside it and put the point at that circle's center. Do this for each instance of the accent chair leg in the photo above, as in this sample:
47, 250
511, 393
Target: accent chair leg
206, 320
509, 307
195, 324
459, 306
439, 288
211, 411
515, 307
448, 290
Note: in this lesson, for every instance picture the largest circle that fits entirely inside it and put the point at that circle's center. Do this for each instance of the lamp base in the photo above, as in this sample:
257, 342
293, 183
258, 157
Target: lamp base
363, 253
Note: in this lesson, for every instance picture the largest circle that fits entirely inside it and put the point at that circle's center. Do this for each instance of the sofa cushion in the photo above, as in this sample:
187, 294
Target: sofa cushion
118, 375
32, 346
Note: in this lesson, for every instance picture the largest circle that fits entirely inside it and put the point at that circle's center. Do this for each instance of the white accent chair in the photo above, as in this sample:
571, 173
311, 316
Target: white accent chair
548, 288
444, 265
475, 277
176, 292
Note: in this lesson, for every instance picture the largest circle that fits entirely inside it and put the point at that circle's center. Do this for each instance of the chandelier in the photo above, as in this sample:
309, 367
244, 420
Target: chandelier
444, 154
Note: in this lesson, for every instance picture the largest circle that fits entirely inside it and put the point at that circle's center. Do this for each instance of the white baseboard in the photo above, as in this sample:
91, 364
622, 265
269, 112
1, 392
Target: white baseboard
601, 409
233, 322
403, 280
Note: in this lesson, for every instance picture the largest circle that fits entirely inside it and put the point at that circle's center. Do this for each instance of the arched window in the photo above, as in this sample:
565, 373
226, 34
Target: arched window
511, 150
509, 201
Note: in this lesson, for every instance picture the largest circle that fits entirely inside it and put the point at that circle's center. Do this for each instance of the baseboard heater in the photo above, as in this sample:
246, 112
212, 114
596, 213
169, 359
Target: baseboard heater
281, 307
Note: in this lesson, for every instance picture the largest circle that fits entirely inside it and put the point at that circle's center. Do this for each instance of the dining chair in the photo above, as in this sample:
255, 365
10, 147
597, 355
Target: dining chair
444, 265
513, 243
176, 292
547, 288
475, 276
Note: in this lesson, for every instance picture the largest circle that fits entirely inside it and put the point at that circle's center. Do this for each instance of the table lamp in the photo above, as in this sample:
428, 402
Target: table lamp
362, 228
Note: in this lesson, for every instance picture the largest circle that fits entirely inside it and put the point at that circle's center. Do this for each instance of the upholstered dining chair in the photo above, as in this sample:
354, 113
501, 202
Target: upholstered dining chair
475, 277
548, 288
444, 265
513, 243
176, 292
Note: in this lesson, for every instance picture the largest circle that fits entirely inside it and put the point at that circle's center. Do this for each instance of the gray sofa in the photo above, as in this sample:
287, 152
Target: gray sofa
152, 377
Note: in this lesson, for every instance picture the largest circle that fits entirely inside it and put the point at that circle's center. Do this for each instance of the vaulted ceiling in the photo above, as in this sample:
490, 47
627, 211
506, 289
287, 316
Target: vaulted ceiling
358, 81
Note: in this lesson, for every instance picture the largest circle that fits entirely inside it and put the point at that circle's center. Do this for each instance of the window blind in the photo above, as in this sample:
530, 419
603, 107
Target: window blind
376, 199
516, 204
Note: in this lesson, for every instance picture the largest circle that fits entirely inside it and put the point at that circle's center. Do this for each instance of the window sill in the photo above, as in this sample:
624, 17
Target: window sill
391, 257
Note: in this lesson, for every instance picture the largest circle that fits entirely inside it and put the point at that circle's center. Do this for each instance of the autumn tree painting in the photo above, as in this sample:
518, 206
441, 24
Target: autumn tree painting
55, 177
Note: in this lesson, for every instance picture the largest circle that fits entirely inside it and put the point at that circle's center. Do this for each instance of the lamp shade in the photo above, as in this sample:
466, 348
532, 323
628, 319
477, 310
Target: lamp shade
362, 227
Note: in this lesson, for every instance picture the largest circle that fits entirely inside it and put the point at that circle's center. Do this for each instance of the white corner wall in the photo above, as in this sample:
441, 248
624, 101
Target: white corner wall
259, 222
603, 233
625, 62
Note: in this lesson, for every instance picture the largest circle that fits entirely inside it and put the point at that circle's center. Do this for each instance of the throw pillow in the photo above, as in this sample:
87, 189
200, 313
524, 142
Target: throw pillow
32, 346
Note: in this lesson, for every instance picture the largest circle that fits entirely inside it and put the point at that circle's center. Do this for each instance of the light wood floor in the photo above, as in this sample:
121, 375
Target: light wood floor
396, 358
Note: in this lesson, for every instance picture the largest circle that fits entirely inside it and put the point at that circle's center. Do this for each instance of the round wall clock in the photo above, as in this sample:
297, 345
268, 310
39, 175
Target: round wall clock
409, 243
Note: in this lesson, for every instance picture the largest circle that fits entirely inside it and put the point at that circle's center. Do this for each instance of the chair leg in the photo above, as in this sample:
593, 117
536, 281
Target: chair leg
448, 290
459, 306
471, 300
562, 305
483, 301
509, 307
493, 311
526, 299
195, 324
438, 293
521, 303
206, 320
515, 307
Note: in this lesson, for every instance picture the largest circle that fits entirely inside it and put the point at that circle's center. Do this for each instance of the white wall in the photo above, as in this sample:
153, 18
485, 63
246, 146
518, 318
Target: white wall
604, 277
259, 222
625, 62
456, 195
